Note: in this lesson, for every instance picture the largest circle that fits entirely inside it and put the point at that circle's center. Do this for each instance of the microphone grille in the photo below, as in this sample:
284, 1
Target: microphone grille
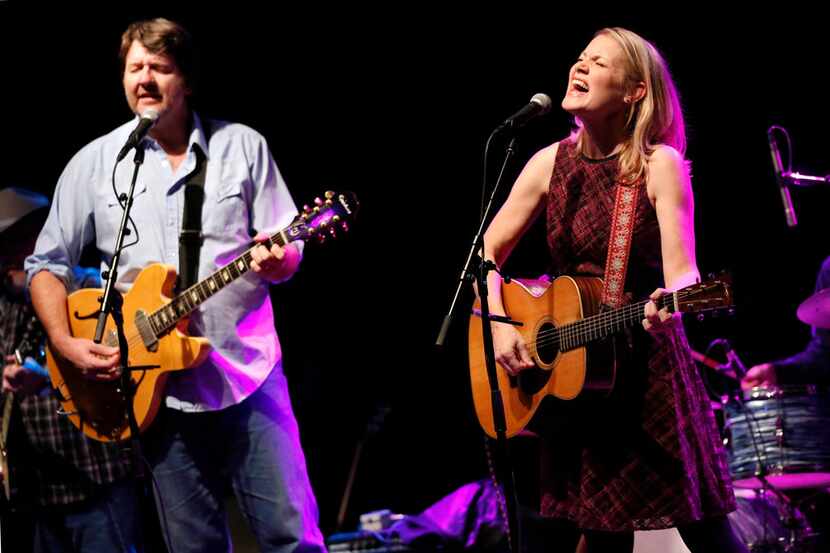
542, 100
150, 114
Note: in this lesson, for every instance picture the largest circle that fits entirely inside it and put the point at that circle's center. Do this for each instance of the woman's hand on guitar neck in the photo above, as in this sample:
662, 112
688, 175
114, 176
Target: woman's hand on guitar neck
660, 321
94, 361
510, 349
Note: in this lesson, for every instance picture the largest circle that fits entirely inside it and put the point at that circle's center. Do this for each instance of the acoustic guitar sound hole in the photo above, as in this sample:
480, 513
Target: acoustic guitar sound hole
532, 380
546, 346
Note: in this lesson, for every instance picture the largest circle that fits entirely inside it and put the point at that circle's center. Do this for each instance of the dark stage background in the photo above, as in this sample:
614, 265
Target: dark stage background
396, 104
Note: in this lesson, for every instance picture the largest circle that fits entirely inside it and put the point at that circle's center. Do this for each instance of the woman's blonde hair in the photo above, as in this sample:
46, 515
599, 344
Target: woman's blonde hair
656, 118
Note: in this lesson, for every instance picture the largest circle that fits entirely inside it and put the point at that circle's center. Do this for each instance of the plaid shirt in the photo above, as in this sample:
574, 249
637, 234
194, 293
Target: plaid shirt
52, 462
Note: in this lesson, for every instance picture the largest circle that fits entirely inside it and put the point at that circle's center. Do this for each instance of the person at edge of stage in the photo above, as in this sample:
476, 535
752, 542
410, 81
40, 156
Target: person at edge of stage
810, 366
68, 493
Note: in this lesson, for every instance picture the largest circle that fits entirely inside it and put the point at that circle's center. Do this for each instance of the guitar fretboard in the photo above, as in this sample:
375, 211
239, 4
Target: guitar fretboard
165, 318
602, 325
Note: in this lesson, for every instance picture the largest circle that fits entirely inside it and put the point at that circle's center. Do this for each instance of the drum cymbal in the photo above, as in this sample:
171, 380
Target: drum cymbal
815, 310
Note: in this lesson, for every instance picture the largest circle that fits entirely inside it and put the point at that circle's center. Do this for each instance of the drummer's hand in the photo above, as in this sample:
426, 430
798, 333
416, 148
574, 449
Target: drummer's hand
760, 376
658, 321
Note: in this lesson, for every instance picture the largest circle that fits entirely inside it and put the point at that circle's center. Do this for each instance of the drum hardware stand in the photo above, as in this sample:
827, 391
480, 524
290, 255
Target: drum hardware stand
796, 529
791, 523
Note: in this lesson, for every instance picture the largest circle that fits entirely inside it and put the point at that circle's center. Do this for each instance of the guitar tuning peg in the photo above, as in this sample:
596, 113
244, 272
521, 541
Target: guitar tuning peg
321, 238
316, 210
329, 194
306, 208
345, 226
335, 219
323, 225
329, 203
318, 201
333, 232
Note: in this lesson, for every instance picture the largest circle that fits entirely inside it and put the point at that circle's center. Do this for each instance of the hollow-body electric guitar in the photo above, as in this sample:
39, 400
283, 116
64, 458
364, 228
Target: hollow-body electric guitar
155, 324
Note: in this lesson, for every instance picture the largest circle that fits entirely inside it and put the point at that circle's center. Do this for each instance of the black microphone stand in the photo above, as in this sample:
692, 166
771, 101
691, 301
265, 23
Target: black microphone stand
470, 273
111, 304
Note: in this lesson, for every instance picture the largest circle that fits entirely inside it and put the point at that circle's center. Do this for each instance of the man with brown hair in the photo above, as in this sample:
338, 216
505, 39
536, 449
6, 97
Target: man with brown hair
229, 419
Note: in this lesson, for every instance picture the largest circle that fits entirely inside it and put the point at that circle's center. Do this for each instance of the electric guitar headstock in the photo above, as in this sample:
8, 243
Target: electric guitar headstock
327, 217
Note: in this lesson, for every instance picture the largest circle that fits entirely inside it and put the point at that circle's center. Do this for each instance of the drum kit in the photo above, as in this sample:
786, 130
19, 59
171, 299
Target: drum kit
778, 448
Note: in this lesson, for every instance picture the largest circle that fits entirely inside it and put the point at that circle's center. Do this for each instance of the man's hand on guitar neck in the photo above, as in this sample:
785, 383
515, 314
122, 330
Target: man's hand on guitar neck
661, 321
510, 349
94, 361
277, 264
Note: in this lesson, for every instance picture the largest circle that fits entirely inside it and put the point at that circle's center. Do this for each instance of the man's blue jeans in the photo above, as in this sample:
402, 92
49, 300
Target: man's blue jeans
108, 522
253, 446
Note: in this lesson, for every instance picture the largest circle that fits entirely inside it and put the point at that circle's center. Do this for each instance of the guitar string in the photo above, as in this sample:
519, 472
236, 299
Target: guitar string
278, 238
600, 322
135, 338
576, 330
596, 325
586, 328
604, 321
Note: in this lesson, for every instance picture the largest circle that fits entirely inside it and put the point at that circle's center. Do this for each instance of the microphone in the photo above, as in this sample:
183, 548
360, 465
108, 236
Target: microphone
789, 212
539, 105
732, 360
148, 119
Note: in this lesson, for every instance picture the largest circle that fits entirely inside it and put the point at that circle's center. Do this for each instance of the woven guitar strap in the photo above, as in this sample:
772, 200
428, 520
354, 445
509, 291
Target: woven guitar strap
619, 245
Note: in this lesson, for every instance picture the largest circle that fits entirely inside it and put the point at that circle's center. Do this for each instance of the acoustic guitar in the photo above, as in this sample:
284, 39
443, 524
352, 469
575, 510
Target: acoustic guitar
567, 337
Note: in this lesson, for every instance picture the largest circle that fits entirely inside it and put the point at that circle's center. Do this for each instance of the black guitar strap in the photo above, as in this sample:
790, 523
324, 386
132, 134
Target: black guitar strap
190, 239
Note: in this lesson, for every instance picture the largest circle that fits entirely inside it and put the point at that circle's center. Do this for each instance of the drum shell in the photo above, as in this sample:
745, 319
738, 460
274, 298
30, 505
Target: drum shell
783, 433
